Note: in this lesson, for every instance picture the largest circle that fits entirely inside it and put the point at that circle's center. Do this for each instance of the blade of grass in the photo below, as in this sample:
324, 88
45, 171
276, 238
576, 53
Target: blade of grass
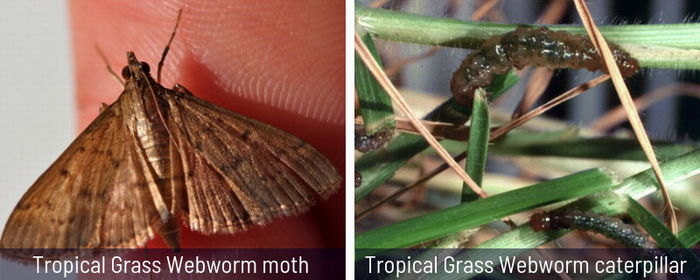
690, 235
664, 238
478, 144
513, 124
375, 105
623, 93
468, 215
546, 144
523, 238
378, 166
617, 115
378, 170
401, 103
675, 170
654, 45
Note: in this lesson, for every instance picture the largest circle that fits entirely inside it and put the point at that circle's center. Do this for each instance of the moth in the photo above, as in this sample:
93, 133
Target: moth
159, 157
627, 235
531, 46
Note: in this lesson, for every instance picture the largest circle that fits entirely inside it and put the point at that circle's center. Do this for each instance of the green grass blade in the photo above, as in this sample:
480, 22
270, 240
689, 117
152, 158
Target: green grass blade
478, 144
676, 170
657, 45
523, 238
551, 144
469, 215
378, 166
664, 237
375, 104
690, 235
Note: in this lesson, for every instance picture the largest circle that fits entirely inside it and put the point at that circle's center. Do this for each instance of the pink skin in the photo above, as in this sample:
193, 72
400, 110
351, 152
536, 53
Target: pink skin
280, 62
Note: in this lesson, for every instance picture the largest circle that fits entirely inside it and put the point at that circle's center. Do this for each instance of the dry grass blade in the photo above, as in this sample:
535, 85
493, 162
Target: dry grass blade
539, 80
378, 3
366, 57
554, 102
555, 11
439, 130
483, 10
617, 115
494, 134
395, 68
626, 100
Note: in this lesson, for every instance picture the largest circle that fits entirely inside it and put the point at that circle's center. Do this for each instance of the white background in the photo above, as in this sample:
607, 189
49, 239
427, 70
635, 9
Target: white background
37, 120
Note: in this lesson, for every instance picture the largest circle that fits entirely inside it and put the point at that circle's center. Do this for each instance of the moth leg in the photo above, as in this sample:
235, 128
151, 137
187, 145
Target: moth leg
103, 106
180, 88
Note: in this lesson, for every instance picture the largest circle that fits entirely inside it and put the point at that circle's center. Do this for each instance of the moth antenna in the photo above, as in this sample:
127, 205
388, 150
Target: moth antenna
167, 47
109, 68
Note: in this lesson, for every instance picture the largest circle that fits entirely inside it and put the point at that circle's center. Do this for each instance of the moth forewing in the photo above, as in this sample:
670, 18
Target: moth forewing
88, 198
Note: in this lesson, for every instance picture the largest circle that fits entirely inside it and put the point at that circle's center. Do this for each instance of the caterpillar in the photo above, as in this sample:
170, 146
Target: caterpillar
531, 46
358, 179
627, 235
366, 143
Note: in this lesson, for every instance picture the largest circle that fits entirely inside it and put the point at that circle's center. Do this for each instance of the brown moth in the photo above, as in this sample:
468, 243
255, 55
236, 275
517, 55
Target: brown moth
158, 157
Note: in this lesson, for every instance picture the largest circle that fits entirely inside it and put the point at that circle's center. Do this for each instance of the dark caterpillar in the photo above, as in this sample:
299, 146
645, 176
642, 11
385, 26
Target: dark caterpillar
531, 46
627, 235
366, 143
358, 179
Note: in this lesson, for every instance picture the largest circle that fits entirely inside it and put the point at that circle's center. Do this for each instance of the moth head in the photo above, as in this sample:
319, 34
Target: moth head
145, 69
134, 66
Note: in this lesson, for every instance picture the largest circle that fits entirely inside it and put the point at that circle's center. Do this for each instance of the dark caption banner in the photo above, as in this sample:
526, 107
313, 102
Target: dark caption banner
542, 264
185, 264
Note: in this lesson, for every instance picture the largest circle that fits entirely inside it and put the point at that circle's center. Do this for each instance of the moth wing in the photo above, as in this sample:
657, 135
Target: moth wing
239, 171
91, 197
